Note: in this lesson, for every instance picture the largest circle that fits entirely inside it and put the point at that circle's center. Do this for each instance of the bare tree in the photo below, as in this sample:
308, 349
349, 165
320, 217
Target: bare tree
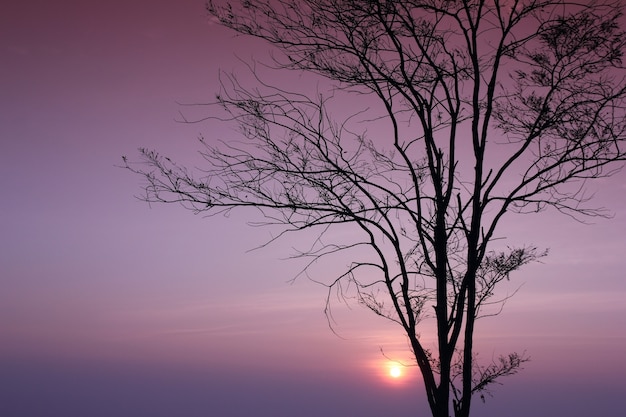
479, 107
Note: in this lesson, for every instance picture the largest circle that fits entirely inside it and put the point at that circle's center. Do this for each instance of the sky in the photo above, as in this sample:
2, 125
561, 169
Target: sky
109, 306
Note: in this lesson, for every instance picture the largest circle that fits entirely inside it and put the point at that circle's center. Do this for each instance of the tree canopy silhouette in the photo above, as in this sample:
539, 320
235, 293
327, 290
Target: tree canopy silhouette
472, 110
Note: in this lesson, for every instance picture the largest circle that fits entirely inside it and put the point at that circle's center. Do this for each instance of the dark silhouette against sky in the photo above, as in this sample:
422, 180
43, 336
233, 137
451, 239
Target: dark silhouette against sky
111, 307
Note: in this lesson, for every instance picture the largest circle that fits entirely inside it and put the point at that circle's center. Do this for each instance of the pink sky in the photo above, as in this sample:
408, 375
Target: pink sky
110, 307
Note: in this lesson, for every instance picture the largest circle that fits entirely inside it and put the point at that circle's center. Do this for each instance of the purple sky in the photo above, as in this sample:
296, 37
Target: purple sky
111, 308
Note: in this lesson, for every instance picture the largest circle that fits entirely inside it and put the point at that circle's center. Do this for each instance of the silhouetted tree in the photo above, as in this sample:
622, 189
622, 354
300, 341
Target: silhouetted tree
479, 107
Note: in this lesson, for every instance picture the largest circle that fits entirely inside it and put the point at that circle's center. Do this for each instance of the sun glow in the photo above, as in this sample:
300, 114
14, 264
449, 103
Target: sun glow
395, 371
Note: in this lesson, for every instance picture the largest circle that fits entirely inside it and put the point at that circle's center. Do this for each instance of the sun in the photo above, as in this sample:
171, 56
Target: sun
395, 371
392, 371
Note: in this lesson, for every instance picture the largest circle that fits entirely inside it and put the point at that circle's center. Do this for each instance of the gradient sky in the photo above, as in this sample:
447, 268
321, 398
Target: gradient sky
109, 307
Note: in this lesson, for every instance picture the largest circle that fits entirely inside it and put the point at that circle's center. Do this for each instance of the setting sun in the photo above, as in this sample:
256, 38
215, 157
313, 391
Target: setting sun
395, 371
